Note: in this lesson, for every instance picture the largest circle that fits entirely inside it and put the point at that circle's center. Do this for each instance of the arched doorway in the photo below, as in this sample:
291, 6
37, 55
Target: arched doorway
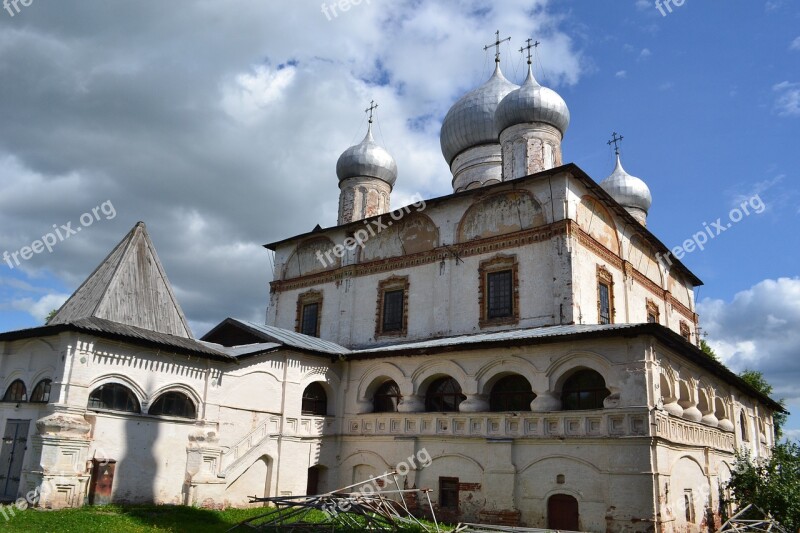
562, 512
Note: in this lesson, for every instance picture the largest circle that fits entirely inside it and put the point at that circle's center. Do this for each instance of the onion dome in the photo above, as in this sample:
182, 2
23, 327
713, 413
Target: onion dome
367, 160
532, 103
470, 122
629, 191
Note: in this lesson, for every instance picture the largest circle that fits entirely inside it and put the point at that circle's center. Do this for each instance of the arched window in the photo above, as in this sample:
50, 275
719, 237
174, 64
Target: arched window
173, 403
511, 393
16, 392
115, 397
585, 389
315, 401
41, 392
743, 424
386, 398
444, 395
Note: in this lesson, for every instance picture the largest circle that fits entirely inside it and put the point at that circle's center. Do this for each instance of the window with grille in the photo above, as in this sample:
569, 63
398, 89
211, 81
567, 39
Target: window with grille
393, 310
444, 395
41, 392
174, 403
499, 294
315, 400
386, 398
115, 397
586, 389
604, 292
310, 320
16, 392
511, 393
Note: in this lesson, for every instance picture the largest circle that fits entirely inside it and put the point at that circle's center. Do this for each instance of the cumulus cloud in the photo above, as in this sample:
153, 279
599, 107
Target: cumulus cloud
621, 74
795, 45
40, 308
787, 103
759, 329
219, 124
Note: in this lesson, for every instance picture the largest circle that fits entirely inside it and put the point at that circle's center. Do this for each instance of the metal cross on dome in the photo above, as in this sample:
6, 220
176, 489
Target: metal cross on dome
372, 107
497, 44
528, 48
615, 140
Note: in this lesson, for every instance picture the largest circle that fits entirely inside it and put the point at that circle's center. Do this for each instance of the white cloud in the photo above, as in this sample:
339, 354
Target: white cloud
250, 92
645, 54
642, 5
787, 103
795, 45
621, 74
759, 329
39, 309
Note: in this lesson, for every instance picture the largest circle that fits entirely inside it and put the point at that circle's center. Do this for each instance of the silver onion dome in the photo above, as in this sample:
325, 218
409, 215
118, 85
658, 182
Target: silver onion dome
629, 191
532, 103
367, 159
470, 122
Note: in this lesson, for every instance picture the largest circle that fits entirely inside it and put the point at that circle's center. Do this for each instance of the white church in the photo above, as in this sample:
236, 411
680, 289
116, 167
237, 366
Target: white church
520, 331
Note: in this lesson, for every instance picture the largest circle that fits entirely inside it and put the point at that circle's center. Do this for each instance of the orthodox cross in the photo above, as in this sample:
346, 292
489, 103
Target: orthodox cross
528, 48
615, 140
372, 107
497, 44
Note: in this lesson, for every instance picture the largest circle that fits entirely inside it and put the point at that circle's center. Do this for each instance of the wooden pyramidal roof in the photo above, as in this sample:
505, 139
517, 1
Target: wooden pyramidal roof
129, 287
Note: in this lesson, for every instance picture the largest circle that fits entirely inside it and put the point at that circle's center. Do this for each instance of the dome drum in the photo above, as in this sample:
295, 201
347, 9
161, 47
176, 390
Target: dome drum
530, 148
477, 166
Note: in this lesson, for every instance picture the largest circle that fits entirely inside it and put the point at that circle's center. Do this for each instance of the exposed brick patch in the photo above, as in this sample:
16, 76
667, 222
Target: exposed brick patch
472, 487
500, 518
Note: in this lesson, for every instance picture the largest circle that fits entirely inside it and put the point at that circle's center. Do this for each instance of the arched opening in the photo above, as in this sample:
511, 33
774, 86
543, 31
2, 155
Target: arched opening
562, 512
511, 393
115, 397
585, 389
666, 390
41, 392
719, 409
443, 395
16, 392
315, 400
685, 397
743, 425
703, 403
174, 403
386, 398
316, 480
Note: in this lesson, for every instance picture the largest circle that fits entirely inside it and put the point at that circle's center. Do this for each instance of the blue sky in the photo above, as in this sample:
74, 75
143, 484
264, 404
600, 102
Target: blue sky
219, 125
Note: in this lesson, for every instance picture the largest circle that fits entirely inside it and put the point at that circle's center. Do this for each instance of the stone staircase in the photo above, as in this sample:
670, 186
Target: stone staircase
250, 447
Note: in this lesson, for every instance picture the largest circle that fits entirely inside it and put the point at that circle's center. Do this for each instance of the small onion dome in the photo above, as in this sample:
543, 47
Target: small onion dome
470, 122
532, 103
629, 191
367, 160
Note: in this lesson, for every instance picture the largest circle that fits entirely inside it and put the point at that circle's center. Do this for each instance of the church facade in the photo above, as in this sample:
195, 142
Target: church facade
527, 335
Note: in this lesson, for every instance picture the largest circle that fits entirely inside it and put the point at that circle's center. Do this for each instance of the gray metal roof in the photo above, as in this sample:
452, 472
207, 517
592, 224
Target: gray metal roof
246, 349
294, 339
497, 336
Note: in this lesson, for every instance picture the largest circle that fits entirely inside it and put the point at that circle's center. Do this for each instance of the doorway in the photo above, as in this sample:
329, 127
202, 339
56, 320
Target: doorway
12, 453
562, 512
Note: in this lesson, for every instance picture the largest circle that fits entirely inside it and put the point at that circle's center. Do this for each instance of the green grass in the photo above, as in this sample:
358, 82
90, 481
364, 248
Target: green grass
124, 519
135, 519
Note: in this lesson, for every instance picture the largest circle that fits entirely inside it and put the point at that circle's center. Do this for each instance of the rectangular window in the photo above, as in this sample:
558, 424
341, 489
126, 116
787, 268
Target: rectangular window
500, 294
652, 319
391, 314
310, 320
685, 331
448, 493
393, 310
604, 295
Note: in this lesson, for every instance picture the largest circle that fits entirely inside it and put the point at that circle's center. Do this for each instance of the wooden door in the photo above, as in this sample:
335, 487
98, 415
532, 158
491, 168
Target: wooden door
562, 512
12, 453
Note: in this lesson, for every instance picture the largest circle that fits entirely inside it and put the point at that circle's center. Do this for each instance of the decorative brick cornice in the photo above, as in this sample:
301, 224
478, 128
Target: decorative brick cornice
393, 264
